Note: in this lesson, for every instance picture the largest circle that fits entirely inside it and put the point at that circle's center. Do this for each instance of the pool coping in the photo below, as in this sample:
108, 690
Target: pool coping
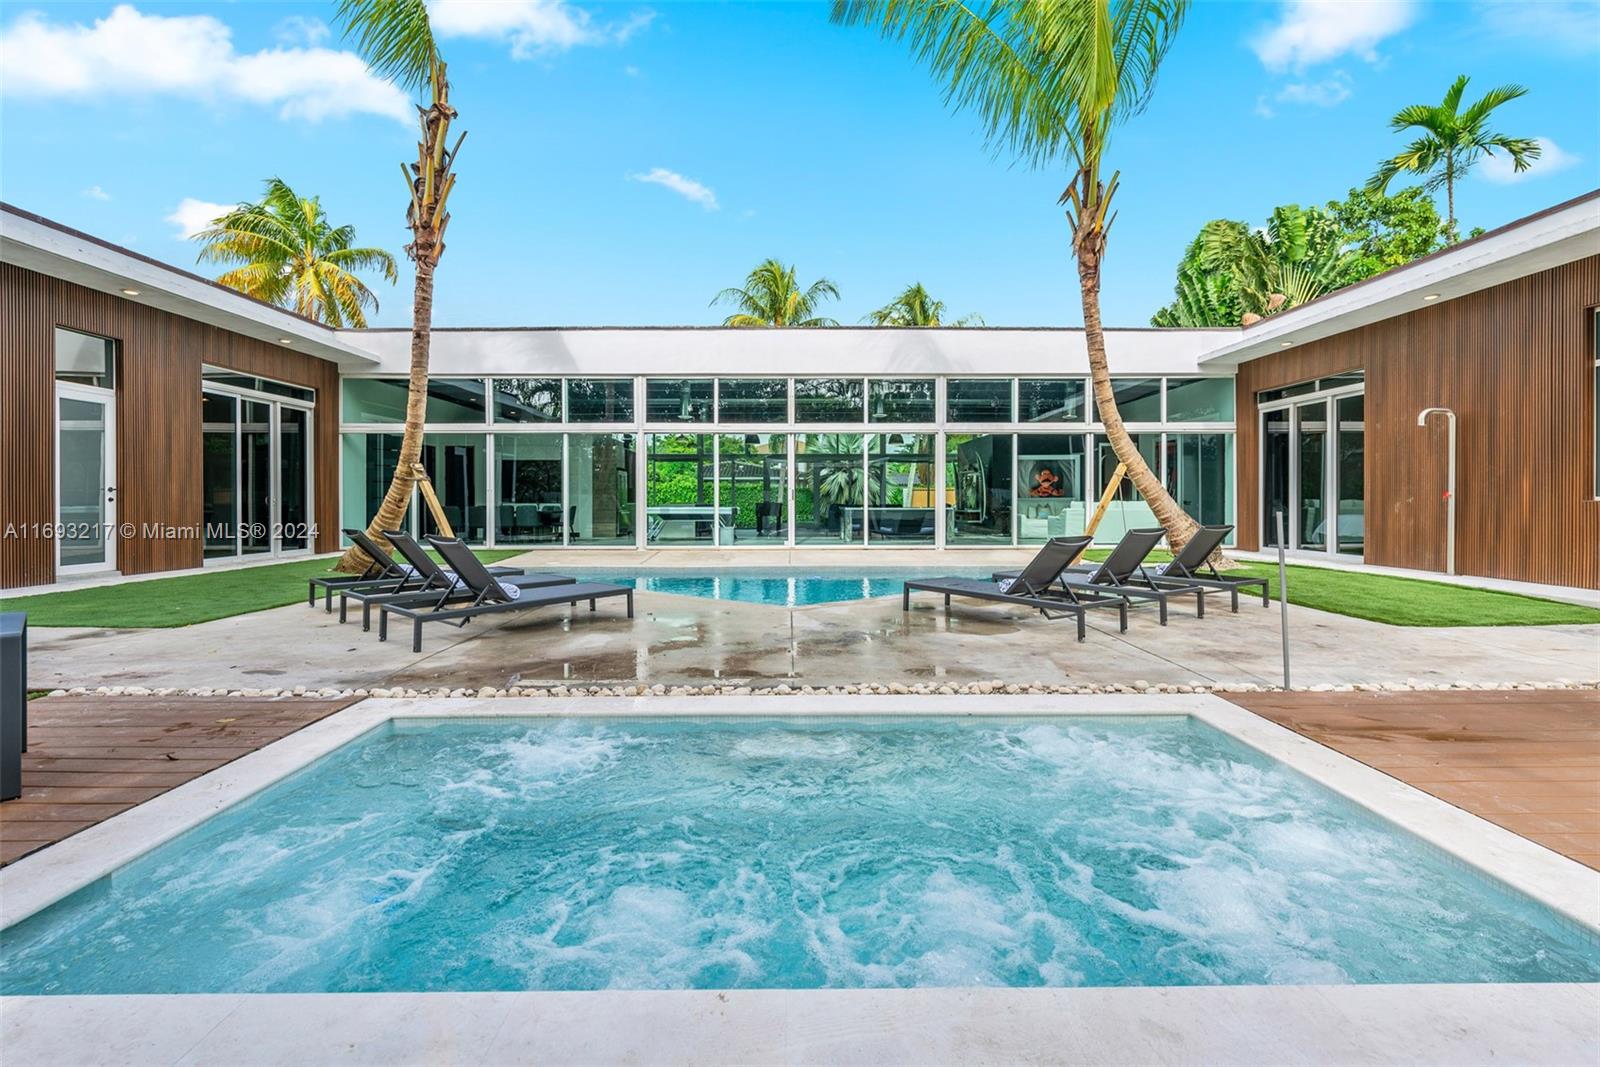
1565, 886
1529, 1023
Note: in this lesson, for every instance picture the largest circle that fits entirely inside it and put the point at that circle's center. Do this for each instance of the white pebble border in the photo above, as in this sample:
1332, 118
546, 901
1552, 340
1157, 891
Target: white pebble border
997, 686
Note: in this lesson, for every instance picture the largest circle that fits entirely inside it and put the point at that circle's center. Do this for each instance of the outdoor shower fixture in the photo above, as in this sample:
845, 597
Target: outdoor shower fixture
1449, 484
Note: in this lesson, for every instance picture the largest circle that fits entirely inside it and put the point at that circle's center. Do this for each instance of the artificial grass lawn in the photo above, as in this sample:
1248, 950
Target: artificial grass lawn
165, 602
1401, 601
181, 601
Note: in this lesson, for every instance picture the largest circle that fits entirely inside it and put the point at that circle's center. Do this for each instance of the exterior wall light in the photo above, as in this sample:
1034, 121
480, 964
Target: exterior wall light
130, 292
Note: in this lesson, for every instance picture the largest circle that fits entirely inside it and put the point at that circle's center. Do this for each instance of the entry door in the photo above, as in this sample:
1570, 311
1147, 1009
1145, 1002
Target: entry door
86, 464
256, 476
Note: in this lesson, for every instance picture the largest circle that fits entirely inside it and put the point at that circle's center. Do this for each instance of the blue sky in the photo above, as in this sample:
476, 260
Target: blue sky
767, 131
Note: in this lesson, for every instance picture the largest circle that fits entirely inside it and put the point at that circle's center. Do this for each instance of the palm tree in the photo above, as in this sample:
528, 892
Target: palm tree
396, 39
1452, 141
772, 297
288, 253
1049, 79
916, 307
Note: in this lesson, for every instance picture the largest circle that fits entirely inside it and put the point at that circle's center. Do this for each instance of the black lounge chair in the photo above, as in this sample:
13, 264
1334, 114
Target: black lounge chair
1035, 586
432, 581
488, 595
1192, 565
382, 569
1123, 574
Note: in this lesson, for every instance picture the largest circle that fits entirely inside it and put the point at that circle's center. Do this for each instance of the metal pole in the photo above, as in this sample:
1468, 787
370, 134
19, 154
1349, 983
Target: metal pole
1283, 601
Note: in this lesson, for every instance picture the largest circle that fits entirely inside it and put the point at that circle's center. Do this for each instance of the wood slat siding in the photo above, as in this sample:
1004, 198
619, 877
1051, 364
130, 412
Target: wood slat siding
1515, 362
158, 418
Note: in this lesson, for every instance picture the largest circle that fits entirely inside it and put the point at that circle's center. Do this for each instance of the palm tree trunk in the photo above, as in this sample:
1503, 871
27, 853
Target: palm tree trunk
1090, 202
430, 189
1450, 200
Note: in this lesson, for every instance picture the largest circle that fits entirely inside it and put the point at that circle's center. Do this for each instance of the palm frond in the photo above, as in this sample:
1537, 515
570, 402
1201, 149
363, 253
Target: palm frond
1490, 100
395, 37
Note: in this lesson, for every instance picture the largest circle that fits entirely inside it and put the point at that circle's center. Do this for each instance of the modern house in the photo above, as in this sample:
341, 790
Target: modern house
151, 420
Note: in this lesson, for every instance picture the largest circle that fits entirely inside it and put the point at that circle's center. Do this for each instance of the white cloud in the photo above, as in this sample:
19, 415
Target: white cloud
193, 215
1314, 31
1499, 169
302, 29
94, 192
129, 52
1328, 92
1571, 26
687, 188
531, 27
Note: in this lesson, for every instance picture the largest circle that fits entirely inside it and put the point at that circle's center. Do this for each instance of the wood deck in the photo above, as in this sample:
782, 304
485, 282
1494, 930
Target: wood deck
1528, 760
89, 758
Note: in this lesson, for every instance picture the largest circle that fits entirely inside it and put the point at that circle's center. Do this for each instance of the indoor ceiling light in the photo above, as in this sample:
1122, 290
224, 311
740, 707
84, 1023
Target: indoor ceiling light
130, 292
1431, 296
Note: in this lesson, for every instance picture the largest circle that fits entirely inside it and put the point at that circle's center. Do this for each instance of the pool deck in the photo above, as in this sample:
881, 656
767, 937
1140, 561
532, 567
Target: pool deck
1525, 760
90, 758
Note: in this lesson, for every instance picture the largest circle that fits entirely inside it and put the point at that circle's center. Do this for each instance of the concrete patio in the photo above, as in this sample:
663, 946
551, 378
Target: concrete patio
681, 640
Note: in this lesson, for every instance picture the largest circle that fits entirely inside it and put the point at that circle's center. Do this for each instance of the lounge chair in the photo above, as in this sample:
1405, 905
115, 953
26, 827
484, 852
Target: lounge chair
433, 582
1192, 565
382, 569
488, 595
1123, 574
1035, 586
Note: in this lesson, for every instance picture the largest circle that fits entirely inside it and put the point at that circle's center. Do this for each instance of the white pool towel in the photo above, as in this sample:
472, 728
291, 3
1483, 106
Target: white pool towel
1005, 584
512, 592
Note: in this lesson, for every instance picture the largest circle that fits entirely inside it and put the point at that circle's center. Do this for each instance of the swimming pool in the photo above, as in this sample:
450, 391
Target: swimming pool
590, 853
777, 586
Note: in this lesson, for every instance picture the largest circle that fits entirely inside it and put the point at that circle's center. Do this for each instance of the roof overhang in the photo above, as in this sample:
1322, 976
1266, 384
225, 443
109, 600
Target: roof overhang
45, 247
1562, 234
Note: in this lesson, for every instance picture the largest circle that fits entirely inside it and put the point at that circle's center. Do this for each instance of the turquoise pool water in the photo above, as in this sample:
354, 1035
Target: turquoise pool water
776, 586
584, 854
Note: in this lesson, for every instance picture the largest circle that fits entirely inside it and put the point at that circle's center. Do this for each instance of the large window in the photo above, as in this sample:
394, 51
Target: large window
680, 490
827, 399
1350, 474
1127, 509
450, 400
828, 490
753, 481
901, 488
528, 488
1138, 399
978, 400
518, 400
1200, 475
600, 489
1052, 477
599, 399
458, 466
1199, 400
901, 400
753, 399
978, 489
367, 465
677, 400
1050, 400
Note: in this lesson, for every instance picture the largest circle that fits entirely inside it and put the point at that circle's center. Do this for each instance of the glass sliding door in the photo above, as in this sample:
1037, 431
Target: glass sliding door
680, 491
977, 488
294, 479
829, 496
367, 462
528, 489
901, 488
601, 492
219, 473
1311, 474
458, 467
1350, 526
1200, 475
1276, 450
85, 464
255, 477
753, 481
